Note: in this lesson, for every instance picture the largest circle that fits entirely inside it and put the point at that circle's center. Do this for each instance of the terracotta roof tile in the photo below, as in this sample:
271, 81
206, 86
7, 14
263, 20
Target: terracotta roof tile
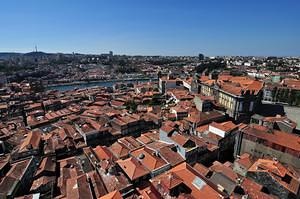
225, 126
225, 170
96, 184
103, 153
245, 160
277, 171
180, 139
167, 128
133, 168
144, 139
254, 189
201, 169
191, 178
112, 195
171, 180
42, 181
78, 187
172, 157
48, 164
32, 141
281, 138
149, 158
130, 142
119, 150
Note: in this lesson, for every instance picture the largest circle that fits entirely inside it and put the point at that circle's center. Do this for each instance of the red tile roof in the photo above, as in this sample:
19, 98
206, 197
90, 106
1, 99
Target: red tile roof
130, 142
202, 128
78, 187
18, 169
172, 157
149, 192
180, 139
112, 195
32, 141
149, 158
96, 184
48, 164
201, 169
225, 126
133, 168
277, 171
119, 150
170, 180
144, 139
42, 181
292, 83
167, 128
254, 189
191, 178
225, 170
281, 138
237, 85
116, 103
245, 160
103, 153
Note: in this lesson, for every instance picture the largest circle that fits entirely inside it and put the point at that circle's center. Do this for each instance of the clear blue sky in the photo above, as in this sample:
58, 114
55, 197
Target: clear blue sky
152, 27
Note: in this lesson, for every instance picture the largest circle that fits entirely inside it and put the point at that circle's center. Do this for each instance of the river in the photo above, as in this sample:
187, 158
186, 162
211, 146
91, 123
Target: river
108, 83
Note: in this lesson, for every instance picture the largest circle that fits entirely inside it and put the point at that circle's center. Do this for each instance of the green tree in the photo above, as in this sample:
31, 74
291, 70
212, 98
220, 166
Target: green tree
131, 105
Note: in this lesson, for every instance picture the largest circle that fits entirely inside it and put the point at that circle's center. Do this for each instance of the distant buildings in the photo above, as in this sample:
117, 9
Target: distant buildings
201, 57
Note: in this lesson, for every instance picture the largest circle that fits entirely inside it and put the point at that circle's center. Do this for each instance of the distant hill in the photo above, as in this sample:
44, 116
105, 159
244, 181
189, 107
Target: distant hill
40, 55
9, 55
36, 54
27, 56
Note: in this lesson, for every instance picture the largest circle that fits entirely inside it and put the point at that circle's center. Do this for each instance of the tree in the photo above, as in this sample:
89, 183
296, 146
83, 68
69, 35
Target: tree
131, 105
274, 93
210, 66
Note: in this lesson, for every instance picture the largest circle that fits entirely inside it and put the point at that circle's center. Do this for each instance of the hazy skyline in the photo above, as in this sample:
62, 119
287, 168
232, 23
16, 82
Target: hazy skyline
140, 27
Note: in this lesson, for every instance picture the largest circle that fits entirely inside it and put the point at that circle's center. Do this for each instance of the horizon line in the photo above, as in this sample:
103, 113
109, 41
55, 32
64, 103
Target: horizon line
148, 55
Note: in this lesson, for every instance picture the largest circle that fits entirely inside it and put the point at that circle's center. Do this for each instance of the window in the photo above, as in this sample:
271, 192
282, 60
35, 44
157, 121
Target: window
251, 106
241, 107
286, 178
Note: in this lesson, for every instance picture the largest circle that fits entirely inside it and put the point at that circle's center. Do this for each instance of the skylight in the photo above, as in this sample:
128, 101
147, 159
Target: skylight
198, 183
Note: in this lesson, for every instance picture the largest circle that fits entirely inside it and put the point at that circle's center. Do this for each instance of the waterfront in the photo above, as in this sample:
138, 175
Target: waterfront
107, 83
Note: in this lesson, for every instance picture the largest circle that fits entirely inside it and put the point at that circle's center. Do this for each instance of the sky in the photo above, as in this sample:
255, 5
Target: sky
152, 27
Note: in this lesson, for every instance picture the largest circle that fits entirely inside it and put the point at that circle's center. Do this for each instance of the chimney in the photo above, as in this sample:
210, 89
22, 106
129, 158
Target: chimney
275, 160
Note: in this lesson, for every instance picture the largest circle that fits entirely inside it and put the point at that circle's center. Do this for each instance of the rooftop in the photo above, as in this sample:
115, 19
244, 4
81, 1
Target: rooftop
281, 138
149, 158
185, 174
133, 168
281, 174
